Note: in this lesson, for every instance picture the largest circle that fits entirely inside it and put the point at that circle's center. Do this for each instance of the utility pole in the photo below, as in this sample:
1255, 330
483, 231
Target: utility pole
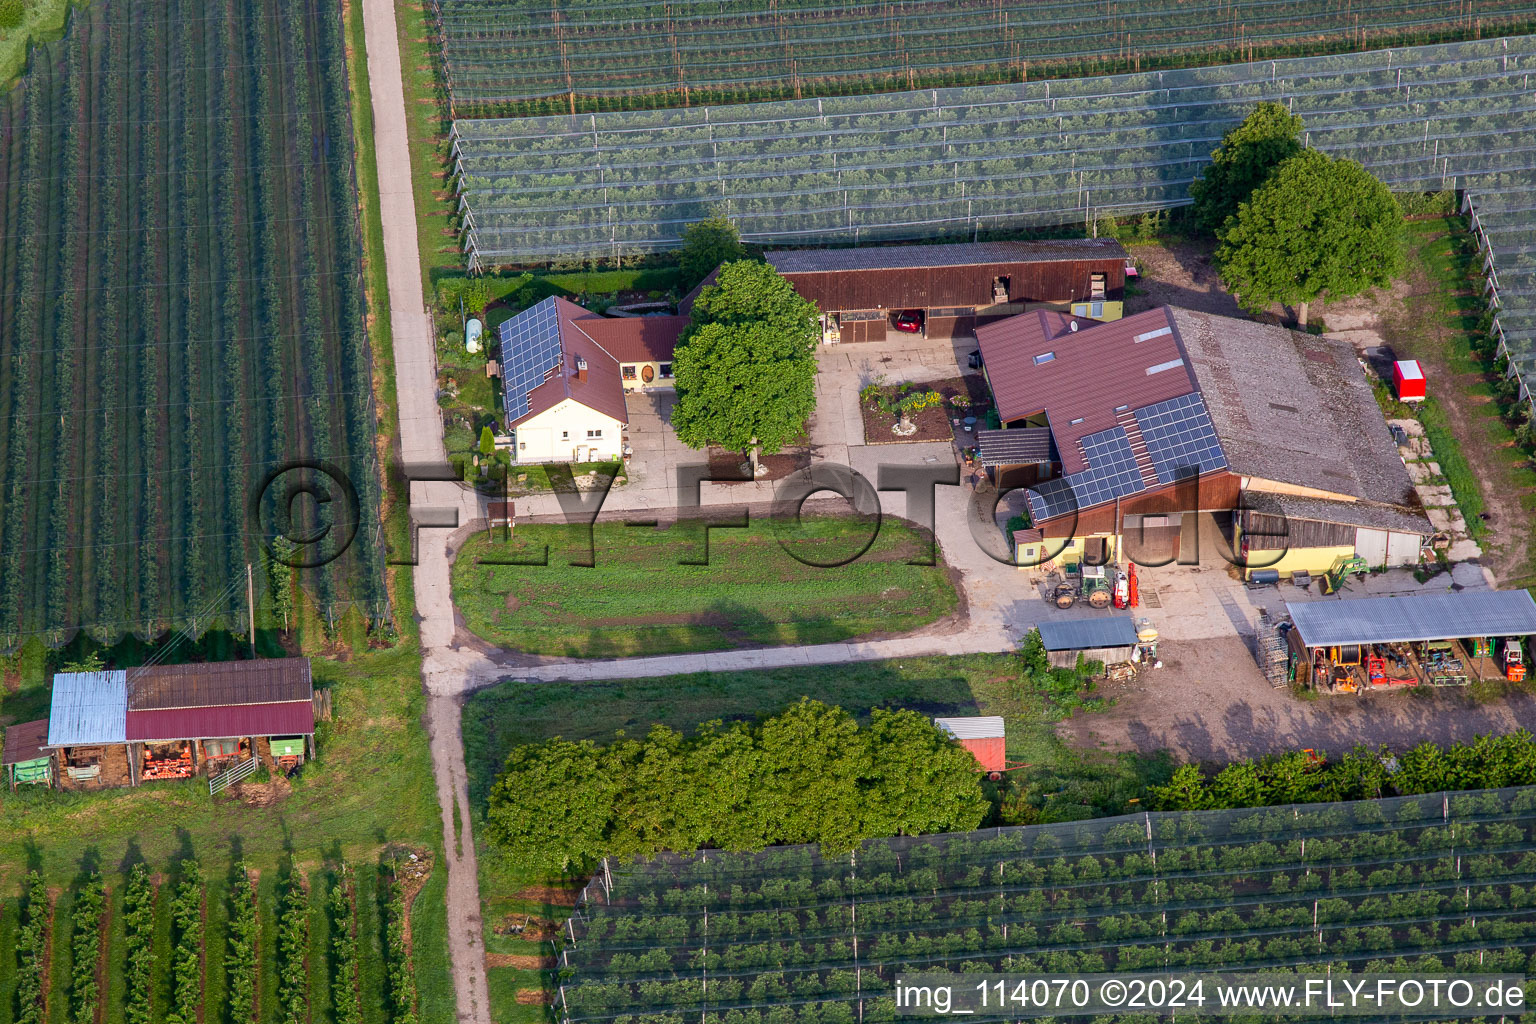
250, 604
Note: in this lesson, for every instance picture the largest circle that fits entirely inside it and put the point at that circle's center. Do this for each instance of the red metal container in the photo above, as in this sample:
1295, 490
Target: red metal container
1408, 375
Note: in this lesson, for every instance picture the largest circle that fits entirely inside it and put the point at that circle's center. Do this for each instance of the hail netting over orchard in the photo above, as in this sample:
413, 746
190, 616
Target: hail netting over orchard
789, 936
181, 312
565, 56
963, 162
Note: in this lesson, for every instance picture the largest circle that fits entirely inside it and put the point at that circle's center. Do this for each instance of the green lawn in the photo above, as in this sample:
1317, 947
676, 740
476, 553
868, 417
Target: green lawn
638, 599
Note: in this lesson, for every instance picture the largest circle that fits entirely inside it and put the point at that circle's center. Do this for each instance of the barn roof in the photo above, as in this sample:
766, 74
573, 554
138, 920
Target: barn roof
1088, 634
219, 684
1369, 514
288, 718
87, 708
1293, 408
964, 254
1385, 620
25, 741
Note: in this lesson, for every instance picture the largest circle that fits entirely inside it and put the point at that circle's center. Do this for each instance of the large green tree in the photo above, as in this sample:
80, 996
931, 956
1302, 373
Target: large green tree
1318, 226
706, 245
1247, 156
809, 775
745, 369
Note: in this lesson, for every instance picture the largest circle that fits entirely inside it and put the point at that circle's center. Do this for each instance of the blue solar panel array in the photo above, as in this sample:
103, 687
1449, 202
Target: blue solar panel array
1112, 473
1181, 441
530, 348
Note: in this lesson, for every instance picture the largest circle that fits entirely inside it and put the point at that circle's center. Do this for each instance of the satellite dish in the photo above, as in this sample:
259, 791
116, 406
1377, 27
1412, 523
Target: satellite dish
1072, 326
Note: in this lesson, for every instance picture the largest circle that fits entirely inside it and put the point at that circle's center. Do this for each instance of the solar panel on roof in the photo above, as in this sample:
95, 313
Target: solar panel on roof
1180, 438
530, 348
1112, 473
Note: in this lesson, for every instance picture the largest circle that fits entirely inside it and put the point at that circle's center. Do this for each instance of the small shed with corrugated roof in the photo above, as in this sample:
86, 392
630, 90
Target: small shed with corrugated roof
983, 735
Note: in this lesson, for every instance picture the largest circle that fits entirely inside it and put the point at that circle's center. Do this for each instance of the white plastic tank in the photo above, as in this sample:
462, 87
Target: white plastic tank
472, 331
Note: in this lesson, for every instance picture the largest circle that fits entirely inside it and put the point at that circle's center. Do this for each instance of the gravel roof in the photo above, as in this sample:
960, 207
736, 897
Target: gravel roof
1372, 515
1293, 408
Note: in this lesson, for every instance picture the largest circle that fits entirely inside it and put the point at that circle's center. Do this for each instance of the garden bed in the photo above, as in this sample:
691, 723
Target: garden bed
726, 466
934, 422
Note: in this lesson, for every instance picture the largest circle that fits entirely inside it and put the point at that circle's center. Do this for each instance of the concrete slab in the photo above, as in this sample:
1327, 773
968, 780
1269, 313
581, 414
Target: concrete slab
1411, 427
1439, 519
1418, 472
1436, 495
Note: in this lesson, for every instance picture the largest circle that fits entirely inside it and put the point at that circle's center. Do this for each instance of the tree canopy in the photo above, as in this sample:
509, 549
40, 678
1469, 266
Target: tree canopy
809, 775
707, 244
745, 369
1247, 156
1318, 225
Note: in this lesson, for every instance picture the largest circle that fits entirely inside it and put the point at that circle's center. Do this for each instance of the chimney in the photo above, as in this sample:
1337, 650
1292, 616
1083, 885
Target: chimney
581, 368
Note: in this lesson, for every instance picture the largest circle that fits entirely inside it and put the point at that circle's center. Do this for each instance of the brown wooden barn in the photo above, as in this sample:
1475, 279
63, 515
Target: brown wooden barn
954, 288
1166, 414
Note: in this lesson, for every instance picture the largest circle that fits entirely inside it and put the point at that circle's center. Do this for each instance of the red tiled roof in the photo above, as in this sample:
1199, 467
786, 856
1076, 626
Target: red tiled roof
635, 339
603, 390
289, 718
1095, 369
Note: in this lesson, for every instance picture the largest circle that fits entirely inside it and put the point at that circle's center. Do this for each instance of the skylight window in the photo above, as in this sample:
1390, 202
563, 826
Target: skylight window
1149, 335
1044, 357
1171, 364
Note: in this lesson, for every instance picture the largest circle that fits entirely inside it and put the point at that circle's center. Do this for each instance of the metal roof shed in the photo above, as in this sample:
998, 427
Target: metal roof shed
26, 757
1390, 620
88, 709
983, 735
1111, 640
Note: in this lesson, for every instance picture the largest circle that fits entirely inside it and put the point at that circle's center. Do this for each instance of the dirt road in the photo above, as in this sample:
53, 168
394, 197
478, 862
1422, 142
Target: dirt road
421, 443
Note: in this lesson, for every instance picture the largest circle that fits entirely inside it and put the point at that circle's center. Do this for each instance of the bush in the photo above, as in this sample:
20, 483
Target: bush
292, 944
187, 956
12, 13
344, 955
139, 958
32, 947
86, 950
402, 983
240, 952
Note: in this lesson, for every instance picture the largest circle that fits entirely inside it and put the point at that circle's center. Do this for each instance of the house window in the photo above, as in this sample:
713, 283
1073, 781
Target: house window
523, 446
629, 373
666, 369
594, 433
565, 435
1098, 309
221, 748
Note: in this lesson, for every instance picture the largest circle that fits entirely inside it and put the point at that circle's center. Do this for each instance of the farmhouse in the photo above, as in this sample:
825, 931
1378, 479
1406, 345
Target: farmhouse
951, 289
566, 370
1123, 431
121, 728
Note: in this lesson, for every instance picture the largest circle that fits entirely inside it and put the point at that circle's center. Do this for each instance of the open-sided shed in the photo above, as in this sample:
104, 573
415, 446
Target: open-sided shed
26, 757
1111, 640
1439, 639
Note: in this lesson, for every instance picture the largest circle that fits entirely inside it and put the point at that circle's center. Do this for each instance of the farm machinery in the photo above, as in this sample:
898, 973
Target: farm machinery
1091, 584
1343, 567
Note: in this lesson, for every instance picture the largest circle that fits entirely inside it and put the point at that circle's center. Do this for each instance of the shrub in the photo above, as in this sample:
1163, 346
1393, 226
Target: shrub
344, 953
85, 994
240, 952
139, 953
12, 12
402, 983
32, 949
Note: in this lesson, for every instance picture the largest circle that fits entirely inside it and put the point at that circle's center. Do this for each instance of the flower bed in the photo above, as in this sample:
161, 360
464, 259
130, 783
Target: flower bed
959, 397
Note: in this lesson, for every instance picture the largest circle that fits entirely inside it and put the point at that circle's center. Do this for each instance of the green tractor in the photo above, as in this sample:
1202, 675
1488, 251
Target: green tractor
1343, 567
1098, 590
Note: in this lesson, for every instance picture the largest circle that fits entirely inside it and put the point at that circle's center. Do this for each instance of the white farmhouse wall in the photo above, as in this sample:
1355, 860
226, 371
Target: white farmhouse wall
560, 434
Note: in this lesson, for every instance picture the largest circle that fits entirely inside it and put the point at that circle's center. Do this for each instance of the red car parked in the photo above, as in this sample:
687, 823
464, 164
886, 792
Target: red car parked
911, 321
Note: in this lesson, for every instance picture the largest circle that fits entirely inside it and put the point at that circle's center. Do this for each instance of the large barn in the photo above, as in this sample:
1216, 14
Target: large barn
953, 288
1123, 431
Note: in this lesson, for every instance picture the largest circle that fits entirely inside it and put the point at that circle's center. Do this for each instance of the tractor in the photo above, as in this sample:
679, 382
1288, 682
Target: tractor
1097, 589
1065, 595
